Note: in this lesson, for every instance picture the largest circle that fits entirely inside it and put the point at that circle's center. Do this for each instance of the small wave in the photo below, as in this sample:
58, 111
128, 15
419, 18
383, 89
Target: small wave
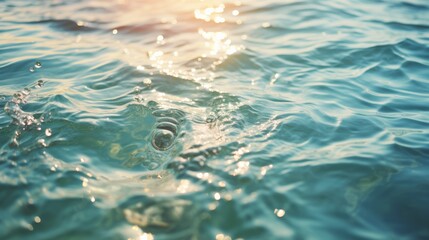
66, 25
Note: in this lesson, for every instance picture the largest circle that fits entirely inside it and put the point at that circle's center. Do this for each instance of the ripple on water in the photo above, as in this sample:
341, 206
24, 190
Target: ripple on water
214, 119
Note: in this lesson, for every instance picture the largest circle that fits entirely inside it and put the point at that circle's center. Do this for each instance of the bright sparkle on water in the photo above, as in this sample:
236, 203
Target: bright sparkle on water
279, 212
37, 219
48, 132
147, 81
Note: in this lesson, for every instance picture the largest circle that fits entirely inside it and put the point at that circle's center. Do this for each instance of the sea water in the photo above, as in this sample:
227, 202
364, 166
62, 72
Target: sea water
214, 119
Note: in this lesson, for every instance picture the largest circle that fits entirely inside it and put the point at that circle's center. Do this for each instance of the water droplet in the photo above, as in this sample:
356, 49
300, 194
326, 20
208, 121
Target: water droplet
279, 212
115, 31
147, 81
228, 197
38, 65
92, 199
137, 89
274, 78
160, 40
42, 142
162, 139
48, 132
37, 219
212, 206
221, 236
216, 196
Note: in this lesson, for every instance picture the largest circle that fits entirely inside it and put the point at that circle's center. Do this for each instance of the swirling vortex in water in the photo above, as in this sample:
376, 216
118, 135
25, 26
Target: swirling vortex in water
163, 138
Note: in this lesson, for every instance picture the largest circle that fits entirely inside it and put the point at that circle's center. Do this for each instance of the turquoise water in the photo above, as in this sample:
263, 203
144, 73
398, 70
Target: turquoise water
276, 119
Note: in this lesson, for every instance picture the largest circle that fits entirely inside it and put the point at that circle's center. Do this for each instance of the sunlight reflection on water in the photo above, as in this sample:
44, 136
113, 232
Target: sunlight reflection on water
174, 119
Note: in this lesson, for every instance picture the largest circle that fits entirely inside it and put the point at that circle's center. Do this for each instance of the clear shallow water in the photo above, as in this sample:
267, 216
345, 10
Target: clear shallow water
214, 119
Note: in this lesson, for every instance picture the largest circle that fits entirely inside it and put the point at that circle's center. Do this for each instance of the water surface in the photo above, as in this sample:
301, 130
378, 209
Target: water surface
214, 119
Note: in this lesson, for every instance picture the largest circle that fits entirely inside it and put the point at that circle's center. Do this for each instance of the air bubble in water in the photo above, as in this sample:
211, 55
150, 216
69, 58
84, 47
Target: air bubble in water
137, 89
162, 139
32, 69
38, 65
